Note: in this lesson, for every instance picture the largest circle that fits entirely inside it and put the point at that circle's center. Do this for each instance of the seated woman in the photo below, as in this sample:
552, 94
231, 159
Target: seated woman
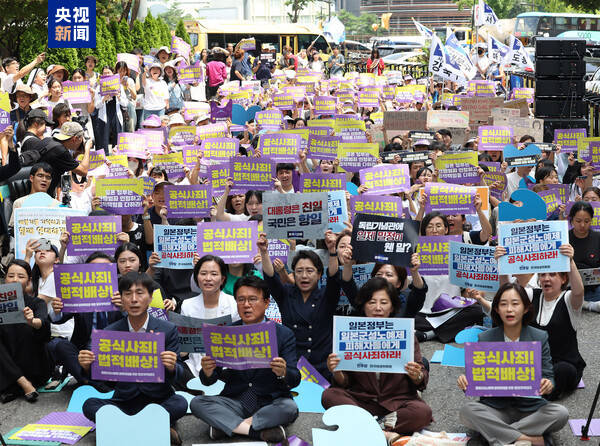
505, 420
558, 312
391, 396
24, 361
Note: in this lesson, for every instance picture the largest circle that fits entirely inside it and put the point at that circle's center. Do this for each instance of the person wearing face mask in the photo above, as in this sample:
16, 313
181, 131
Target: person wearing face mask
24, 361
558, 312
481, 61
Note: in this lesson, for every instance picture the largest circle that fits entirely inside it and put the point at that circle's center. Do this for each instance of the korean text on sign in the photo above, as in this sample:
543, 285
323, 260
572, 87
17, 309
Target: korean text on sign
71, 23
234, 242
90, 234
86, 287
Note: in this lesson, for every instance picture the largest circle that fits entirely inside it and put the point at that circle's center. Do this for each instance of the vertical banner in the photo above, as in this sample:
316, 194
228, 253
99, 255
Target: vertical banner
91, 234
366, 344
87, 287
299, 216
128, 357
473, 266
338, 210
175, 245
71, 23
234, 242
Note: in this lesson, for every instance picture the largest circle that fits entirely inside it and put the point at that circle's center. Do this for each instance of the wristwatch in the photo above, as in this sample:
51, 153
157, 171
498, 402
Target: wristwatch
333, 254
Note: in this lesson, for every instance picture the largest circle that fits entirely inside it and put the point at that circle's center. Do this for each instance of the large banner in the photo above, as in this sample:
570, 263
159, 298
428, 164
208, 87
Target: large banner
533, 247
86, 287
303, 216
11, 304
128, 357
366, 344
234, 242
473, 266
503, 368
190, 330
241, 347
175, 245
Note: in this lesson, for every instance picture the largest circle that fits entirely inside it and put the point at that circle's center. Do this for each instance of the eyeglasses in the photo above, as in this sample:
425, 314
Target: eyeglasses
252, 300
41, 176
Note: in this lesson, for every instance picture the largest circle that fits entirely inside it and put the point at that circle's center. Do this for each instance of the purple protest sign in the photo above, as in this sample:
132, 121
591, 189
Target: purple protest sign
56, 427
503, 368
172, 163
188, 201
278, 249
325, 105
499, 180
523, 93
217, 178
110, 85
481, 88
450, 198
241, 347
87, 287
190, 155
491, 165
154, 140
283, 101
251, 174
552, 200
220, 113
132, 61
385, 179
220, 149
567, 138
190, 74
216, 130
434, 253
66, 419
180, 46
280, 147
322, 182
182, 135
4, 120
90, 234
132, 145
377, 205
121, 196
323, 147
234, 242
309, 373
445, 302
128, 357
269, 120
494, 137
368, 97
77, 92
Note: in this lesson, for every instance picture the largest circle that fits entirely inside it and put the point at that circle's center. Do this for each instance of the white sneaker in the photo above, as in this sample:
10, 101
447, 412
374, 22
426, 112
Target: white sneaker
591, 306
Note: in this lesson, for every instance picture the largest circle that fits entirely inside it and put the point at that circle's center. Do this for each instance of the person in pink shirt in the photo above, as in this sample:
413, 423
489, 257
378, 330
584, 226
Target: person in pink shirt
217, 72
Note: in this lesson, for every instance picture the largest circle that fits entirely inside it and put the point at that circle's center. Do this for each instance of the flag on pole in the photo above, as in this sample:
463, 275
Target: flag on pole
460, 57
497, 51
334, 30
385, 20
440, 63
423, 30
517, 55
484, 14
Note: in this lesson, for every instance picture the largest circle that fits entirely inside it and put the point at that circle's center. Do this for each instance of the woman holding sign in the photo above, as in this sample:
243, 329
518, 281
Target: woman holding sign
391, 396
24, 361
558, 312
505, 420
586, 243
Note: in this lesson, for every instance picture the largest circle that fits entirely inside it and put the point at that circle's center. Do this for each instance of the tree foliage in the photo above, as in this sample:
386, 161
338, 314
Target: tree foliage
296, 6
173, 15
358, 25
506, 9
180, 31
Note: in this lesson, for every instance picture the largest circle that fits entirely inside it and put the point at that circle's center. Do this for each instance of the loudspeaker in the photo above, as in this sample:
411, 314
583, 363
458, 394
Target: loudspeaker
552, 124
560, 108
559, 68
567, 88
558, 47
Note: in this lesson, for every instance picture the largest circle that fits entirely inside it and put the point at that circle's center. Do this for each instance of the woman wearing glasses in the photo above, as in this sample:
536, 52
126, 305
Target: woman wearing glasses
305, 308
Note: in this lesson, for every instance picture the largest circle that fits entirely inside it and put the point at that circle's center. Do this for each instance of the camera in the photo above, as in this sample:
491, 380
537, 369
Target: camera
65, 187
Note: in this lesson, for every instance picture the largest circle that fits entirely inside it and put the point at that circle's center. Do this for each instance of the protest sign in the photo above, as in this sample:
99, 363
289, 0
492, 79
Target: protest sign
503, 368
77, 92
190, 155
552, 200
172, 163
481, 88
443, 119
494, 137
283, 101
458, 168
376, 205
533, 247
128, 357
588, 150
188, 201
523, 93
175, 245
269, 120
149, 184
368, 97
385, 179
33, 223
216, 130
241, 347
590, 276
278, 249
234, 242
91, 234
110, 85
449, 198
190, 74
97, 159
338, 210
180, 46
121, 196
182, 135
217, 178
118, 166
491, 165
12, 304
295, 215
189, 330
567, 138
251, 174
309, 373
479, 108
325, 105
523, 156
356, 156
220, 112
502, 113
495, 178
132, 145
323, 147
132, 61
378, 238
157, 306
154, 140
281, 148
366, 344
322, 182
302, 132
350, 130
523, 126
248, 44
321, 127
405, 156
434, 252
193, 109
473, 266
85, 288
54, 429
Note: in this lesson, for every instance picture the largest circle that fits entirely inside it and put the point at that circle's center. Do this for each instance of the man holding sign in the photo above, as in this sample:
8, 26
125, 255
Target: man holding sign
258, 402
131, 397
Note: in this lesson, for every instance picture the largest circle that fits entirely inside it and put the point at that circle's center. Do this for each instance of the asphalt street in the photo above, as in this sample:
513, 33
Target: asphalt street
441, 394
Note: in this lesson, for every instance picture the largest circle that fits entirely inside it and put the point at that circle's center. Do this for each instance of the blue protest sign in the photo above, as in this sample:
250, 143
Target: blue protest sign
473, 266
175, 245
71, 24
373, 344
338, 210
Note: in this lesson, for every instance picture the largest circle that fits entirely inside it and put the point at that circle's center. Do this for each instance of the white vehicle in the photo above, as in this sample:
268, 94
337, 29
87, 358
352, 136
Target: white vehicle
593, 84
403, 58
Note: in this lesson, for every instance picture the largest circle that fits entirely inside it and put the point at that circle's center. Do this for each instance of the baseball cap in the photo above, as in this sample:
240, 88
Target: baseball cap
68, 130
422, 142
39, 113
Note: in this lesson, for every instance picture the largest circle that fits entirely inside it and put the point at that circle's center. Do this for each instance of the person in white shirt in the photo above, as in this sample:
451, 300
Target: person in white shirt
481, 61
283, 183
14, 74
156, 92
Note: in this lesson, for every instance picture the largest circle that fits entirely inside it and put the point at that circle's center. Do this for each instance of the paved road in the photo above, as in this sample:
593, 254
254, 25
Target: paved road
442, 395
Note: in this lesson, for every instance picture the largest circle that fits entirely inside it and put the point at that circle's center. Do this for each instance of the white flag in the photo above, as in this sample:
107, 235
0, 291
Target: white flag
423, 30
460, 57
517, 55
440, 63
484, 14
497, 51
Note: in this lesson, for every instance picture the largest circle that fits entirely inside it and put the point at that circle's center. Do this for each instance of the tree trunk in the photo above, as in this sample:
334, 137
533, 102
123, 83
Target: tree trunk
134, 12
126, 10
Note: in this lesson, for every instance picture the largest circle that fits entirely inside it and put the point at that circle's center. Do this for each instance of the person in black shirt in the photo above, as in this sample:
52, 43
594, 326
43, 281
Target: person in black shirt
35, 123
7, 147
